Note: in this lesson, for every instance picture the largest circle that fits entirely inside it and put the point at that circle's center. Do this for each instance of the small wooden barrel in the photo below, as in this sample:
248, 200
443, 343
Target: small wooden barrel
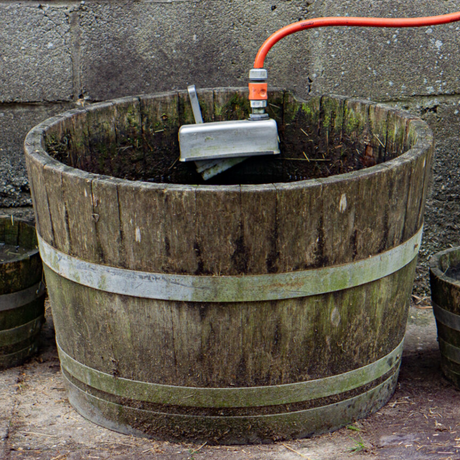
445, 295
22, 292
267, 305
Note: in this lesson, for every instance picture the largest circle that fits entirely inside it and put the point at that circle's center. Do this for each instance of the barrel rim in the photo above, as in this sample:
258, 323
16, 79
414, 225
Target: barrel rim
34, 146
436, 266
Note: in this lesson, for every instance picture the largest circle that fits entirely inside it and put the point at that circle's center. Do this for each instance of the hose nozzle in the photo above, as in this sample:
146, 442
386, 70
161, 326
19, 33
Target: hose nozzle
258, 94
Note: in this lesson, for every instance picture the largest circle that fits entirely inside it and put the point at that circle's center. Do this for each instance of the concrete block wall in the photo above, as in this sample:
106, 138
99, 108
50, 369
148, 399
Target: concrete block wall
56, 54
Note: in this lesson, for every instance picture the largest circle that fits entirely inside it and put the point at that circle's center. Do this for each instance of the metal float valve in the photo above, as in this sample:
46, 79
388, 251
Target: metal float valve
221, 140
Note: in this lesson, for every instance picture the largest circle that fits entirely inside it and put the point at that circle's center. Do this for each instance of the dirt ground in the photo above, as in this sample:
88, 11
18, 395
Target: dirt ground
421, 421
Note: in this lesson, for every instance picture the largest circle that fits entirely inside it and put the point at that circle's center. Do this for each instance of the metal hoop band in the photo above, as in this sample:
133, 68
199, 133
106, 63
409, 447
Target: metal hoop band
230, 288
446, 318
231, 397
20, 298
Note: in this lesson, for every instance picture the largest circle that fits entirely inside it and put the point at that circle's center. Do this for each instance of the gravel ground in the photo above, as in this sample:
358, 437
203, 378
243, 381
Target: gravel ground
14, 185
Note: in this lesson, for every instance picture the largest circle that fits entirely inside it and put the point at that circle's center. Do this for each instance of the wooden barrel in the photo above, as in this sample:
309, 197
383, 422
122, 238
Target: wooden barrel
445, 295
22, 292
268, 304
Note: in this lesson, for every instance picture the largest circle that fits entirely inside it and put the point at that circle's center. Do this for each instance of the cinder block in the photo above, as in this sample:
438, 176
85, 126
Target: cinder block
149, 47
15, 122
386, 63
35, 60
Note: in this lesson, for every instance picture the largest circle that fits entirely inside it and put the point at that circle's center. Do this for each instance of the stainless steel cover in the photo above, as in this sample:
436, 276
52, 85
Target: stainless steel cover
228, 139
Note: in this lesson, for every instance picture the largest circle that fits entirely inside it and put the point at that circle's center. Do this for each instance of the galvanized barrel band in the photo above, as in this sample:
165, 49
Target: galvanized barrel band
306, 422
19, 356
446, 318
20, 333
20, 298
231, 397
246, 288
449, 351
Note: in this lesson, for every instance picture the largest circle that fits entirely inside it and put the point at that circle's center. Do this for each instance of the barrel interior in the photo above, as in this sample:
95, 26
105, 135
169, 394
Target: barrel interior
138, 139
449, 263
18, 252
17, 233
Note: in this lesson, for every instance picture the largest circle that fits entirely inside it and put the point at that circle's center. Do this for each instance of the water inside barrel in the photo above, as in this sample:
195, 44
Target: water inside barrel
10, 252
454, 272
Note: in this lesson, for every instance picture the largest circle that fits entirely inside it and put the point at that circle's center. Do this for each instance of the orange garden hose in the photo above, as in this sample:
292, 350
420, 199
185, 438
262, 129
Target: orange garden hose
346, 21
258, 85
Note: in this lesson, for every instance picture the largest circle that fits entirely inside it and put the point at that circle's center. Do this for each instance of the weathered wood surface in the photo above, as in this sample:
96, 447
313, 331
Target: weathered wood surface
232, 230
20, 318
445, 294
232, 344
355, 224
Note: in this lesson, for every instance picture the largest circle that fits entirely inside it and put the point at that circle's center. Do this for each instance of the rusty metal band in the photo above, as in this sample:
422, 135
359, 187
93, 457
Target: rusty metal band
449, 351
230, 397
246, 288
20, 333
446, 318
20, 298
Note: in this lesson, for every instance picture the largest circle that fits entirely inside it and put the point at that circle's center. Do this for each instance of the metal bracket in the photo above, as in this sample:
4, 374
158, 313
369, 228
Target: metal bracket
208, 168
195, 104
